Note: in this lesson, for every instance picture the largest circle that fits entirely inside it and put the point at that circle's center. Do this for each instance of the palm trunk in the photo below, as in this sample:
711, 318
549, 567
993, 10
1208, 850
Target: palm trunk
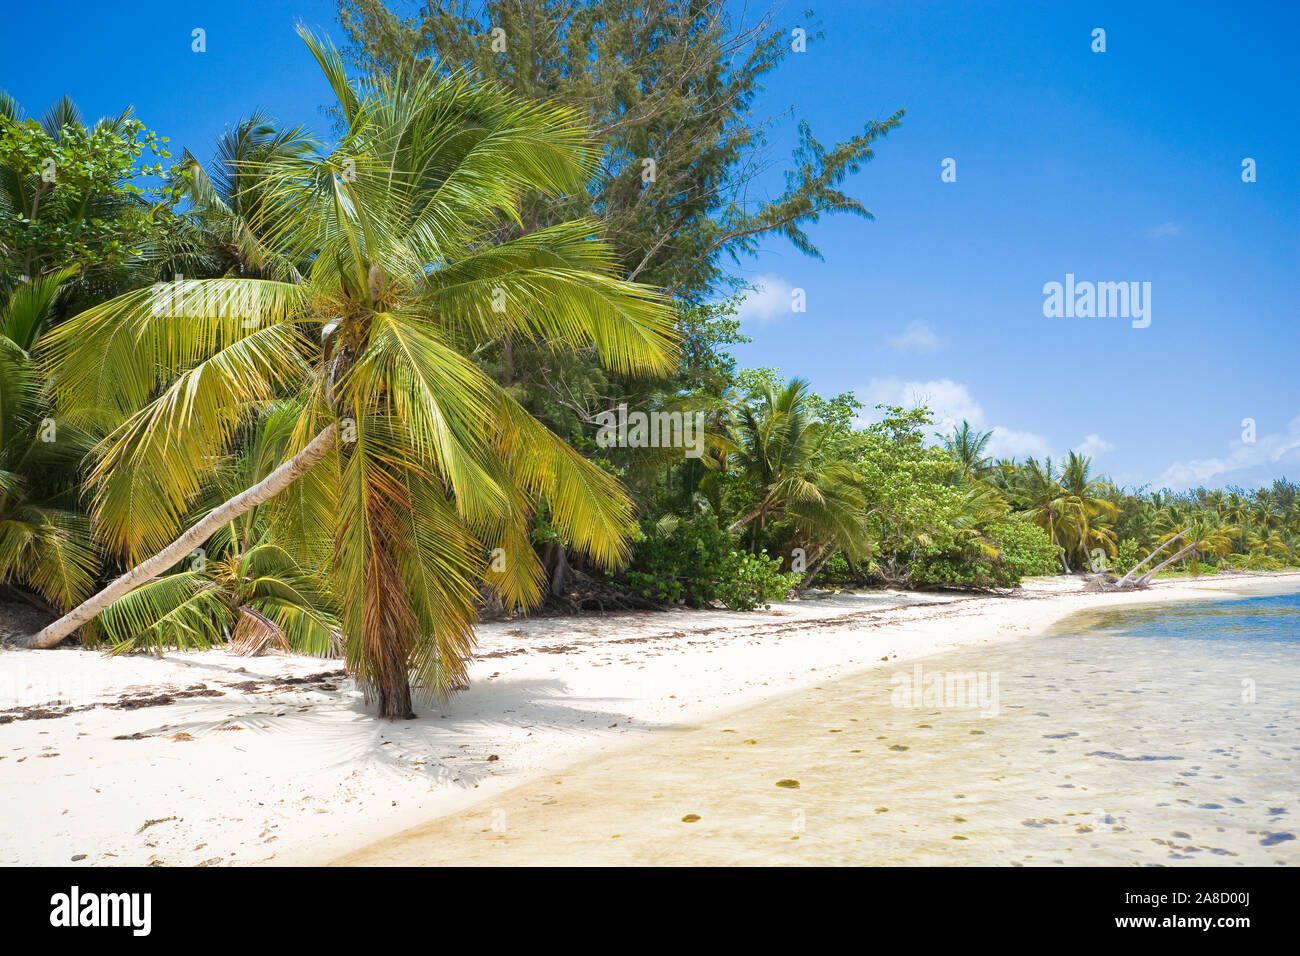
1051, 533
245, 501
1124, 581
826, 555
746, 520
1146, 578
558, 570
395, 687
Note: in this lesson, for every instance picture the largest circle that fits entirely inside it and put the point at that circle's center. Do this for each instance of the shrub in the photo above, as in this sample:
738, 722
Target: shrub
748, 581
696, 562
960, 569
1011, 547
1025, 547
1126, 556
836, 573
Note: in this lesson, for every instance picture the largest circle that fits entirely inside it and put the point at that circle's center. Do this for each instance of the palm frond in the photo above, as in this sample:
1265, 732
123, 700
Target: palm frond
181, 610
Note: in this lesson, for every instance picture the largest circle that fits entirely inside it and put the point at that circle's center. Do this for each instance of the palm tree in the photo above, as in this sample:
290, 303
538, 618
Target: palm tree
1040, 494
980, 503
1267, 547
1266, 513
1236, 508
1004, 475
967, 446
254, 598
1086, 507
1074, 508
1236, 511
1215, 500
408, 472
790, 471
44, 540
218, 234
1143, 523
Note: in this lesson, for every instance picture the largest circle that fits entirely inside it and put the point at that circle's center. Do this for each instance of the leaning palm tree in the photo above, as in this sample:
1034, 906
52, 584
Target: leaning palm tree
244, 586
411, 475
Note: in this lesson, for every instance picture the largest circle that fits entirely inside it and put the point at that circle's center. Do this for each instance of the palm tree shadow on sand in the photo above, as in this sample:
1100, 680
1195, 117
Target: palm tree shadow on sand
450, 741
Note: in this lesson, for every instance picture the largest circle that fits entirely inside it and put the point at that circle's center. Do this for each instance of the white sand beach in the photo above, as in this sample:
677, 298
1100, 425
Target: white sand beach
212, 759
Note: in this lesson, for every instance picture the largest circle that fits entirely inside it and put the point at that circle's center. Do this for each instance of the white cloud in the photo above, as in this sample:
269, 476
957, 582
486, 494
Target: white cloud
950, 401
1094, 445
952, 404
768, 301
1164, 230
1245, 463
1006, 443
917, 337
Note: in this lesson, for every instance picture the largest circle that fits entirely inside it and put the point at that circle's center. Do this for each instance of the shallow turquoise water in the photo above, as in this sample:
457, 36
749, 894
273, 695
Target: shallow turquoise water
1269, 619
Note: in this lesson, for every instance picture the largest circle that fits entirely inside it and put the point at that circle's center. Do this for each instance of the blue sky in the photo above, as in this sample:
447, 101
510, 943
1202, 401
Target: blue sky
1115, 166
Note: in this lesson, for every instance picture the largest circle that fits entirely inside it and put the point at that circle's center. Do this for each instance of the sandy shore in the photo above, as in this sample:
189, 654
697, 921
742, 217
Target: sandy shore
212, 759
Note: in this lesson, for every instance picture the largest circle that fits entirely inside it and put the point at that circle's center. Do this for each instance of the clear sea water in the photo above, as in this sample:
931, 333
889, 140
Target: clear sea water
1153, 735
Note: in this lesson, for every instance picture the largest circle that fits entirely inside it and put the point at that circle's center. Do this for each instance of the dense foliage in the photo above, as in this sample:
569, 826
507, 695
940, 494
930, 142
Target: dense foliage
74, 195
